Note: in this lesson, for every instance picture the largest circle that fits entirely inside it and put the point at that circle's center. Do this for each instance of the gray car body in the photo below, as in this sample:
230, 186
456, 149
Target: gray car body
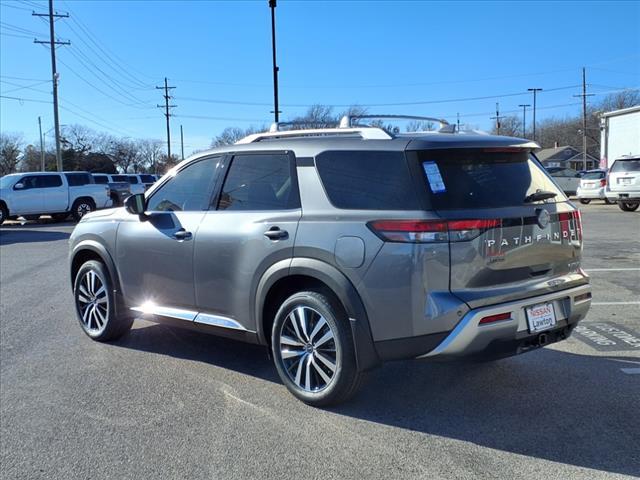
403, 300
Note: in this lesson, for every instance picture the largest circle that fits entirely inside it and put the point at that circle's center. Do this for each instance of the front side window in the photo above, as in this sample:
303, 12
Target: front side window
30, 181
260, 182
189, 190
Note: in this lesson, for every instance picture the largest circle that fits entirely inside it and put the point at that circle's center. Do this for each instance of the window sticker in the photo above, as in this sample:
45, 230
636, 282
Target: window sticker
433, 175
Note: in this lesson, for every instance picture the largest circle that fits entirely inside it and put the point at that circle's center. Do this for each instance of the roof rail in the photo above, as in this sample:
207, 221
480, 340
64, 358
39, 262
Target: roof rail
367, 133
346, 120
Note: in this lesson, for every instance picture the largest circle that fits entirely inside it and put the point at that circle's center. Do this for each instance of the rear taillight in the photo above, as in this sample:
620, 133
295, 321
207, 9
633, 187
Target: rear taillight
571, 224
495, 318
603, 182
431, 231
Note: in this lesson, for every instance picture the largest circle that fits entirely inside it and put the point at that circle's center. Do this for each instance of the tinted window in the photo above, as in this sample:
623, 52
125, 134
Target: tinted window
48, 181
189, 190
120, 178
147, 178
626, 166
593, 175
259, 182
78, 179
132, 179
367, 180
102, 179
28, 182
465, 178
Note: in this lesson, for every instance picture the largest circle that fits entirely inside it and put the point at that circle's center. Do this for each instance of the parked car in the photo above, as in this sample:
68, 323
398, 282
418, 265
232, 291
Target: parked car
592, 186
623, 185
567, 178
119, 190
135, 185
57, 194
146, 179
341, 249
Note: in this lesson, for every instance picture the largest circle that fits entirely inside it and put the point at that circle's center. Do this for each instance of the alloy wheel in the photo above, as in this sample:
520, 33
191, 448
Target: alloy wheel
308, 349
83, 209
93, 302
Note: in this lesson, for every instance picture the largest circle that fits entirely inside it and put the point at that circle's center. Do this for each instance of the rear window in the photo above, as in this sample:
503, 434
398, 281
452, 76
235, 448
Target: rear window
593, 175
465, 178
367, 180
626, 165
147, 178
78, 179
102, 179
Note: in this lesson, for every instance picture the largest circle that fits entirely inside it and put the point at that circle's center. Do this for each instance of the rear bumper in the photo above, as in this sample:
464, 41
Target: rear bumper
630, 196
591, 193
511, 336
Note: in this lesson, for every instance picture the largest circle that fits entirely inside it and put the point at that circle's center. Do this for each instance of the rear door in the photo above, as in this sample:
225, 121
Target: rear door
55, 194
506, 241
251, 226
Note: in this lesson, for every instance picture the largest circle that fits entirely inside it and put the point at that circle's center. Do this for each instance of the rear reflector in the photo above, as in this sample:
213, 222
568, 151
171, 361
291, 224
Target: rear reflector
431, 231
495, 318
582, 298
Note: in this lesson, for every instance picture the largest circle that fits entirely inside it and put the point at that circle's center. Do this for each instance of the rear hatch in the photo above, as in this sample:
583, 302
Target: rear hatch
624, 176
593, 180
512, 232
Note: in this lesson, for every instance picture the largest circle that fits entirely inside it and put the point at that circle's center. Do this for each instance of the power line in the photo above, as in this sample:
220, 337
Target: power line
25, 99
22, 78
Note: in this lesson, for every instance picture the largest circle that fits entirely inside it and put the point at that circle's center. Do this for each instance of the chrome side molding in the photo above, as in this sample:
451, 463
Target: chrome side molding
188, 316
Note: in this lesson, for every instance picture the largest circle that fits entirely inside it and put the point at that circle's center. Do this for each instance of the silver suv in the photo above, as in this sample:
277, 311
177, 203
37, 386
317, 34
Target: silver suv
623, 186
343, 248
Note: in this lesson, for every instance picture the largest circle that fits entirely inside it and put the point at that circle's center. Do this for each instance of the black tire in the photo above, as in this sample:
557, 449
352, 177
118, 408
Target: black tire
585, 201
96, 306
4, 213
304, 372
81, 207
59, 217
628, 207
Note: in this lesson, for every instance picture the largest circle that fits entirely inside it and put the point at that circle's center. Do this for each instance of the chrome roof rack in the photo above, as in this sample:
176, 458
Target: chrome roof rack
346, 121
367, 133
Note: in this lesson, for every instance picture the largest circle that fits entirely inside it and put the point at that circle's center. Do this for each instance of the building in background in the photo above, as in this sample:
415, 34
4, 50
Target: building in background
619, 134
566, 157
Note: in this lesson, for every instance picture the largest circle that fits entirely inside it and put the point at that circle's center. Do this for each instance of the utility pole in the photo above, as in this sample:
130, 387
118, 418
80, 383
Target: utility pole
41, 145
535, 91
166, 107
54, 73
276, 112
458, 122
497, 118
524, 118
182, 142
584, 117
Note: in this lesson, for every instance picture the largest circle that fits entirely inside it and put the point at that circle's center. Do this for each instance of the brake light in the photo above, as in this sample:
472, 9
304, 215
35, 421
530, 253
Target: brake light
603, 182
495, 318
570, 224
431, 231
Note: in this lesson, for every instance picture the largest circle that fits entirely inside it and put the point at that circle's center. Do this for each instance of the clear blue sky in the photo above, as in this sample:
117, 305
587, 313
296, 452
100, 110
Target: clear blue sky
331, 53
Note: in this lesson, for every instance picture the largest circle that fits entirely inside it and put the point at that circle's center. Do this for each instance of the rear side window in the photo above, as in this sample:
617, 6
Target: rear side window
472, 178
120, 178
78, 179
147, 178
626, 165
49, 181
133, 179
367, 180
260, 182
102, 179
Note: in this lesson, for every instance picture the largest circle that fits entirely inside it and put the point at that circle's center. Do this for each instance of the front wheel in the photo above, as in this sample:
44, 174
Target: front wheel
4, 213
313, 349
628, 207
95, 303
585, 201
81, 207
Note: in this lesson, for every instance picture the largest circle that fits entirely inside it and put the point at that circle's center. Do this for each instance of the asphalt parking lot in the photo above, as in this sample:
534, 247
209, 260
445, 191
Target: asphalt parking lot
167, 403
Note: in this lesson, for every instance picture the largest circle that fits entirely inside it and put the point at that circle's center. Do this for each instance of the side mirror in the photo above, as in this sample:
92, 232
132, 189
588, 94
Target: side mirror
18, 186
136, 204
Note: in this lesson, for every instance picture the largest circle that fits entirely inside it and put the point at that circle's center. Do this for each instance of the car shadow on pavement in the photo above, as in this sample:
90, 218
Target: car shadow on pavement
573, 409
8, 237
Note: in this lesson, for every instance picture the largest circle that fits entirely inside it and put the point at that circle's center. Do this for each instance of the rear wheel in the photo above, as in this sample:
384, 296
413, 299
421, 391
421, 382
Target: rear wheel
95, 303
585, 201
4, 213
628, 207
313, 349
81, 207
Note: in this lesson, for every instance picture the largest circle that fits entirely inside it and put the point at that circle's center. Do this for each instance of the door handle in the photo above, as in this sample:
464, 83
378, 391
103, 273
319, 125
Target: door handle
274, 233
182, 234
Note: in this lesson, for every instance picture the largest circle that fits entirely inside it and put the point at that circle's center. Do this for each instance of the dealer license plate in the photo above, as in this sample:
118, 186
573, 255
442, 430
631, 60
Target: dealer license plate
540, 317
625, 181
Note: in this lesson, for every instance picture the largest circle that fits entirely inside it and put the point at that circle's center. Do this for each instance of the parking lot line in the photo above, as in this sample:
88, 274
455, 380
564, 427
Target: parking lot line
612, 269
614, 303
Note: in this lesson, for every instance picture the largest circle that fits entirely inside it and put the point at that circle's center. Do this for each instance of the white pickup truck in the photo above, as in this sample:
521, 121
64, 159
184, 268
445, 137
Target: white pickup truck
32, 194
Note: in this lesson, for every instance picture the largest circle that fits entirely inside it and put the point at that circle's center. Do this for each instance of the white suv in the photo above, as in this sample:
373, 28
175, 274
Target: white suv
623, 185
592, 186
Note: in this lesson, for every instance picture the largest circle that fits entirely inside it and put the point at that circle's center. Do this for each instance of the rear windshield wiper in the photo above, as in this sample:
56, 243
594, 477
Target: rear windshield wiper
539, 195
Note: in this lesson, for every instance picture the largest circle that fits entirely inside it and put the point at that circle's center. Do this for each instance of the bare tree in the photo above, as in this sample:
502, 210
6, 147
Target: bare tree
510, 126
420, 126
79, 138
10, 149
150, 152
125, 153
231, 135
